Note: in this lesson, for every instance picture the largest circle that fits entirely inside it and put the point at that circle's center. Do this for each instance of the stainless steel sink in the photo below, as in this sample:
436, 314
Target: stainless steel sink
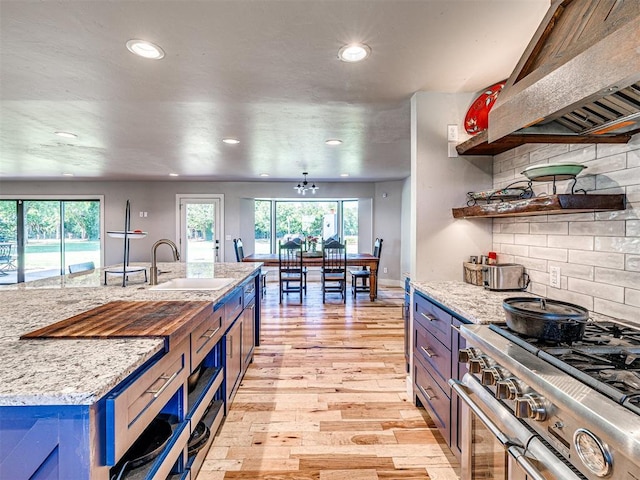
194, 284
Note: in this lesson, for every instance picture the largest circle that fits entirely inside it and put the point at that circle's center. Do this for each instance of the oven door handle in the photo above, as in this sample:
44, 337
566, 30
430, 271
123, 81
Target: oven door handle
461, 389
519, 456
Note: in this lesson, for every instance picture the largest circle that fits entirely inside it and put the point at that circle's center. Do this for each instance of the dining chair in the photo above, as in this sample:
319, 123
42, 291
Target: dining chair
239, 249
334, 269
365, 274
292, 277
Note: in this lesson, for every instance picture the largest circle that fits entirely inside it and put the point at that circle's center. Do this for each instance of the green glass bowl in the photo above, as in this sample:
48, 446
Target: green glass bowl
553, 171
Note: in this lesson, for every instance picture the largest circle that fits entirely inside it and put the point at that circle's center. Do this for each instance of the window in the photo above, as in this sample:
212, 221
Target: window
350, 225
282, 220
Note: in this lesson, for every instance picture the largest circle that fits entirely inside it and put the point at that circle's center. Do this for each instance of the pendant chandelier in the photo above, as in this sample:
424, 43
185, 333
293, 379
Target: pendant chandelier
303, 186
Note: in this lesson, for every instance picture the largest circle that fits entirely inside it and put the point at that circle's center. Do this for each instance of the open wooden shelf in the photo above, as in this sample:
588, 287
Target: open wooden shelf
479, 144
546, 205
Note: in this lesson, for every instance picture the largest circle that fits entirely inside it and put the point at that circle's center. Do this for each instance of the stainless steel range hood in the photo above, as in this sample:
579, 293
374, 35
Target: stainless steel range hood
613, 114
579, 77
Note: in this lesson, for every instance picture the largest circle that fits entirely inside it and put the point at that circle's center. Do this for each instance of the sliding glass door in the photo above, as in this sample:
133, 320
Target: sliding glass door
46, 236
8, 241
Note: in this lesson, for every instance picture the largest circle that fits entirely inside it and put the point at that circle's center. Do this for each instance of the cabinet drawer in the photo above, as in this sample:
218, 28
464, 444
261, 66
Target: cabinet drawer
433, 398
206, 335
431, 351
249, 291
132, 407
433, 318
233, 306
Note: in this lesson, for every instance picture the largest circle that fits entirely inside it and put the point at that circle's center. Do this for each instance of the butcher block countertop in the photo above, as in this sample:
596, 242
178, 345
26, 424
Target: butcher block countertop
81, 371
171, 320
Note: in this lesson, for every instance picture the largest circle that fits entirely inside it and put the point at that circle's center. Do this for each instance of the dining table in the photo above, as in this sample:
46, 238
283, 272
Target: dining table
315, 260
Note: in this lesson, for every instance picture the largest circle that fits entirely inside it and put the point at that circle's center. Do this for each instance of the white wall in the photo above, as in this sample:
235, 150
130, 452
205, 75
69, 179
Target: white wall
387, 206
405, 228
438, 183
158, 199
598, 253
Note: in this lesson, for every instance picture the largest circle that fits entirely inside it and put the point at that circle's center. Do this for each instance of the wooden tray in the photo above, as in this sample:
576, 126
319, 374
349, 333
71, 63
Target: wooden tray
172, 320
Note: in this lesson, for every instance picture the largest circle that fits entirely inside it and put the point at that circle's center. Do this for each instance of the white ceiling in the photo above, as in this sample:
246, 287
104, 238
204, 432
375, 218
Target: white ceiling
264, 71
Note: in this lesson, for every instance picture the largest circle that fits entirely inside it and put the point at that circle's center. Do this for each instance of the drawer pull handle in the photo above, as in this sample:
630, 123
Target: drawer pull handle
204, 335
157, 393
230, 340
431, 318
424, 392
427, 352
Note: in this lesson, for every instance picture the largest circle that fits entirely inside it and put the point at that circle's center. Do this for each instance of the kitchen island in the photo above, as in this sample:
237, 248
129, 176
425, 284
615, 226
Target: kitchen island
60, 398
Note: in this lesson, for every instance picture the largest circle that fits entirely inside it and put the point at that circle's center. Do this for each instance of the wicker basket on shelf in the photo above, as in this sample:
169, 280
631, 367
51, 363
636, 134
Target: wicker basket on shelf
472, 273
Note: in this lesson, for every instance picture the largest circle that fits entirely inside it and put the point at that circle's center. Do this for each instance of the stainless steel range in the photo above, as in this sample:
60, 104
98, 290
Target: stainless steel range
537, 410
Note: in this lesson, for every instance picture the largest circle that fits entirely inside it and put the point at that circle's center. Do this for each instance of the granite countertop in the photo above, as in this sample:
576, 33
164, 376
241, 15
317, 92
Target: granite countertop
475, 303
471, 302
80, 372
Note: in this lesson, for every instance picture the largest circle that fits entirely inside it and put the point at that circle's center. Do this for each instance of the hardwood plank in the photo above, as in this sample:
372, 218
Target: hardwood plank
325, 399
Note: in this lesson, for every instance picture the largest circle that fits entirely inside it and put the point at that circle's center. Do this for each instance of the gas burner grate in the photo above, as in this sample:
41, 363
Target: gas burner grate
607, 358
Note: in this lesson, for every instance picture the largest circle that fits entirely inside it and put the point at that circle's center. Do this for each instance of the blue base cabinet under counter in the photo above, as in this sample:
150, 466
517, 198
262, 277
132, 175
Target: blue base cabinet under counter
187, 388
435, 360
48, 442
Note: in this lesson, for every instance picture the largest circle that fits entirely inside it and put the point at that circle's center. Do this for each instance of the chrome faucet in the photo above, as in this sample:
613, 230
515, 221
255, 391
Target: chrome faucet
153, 271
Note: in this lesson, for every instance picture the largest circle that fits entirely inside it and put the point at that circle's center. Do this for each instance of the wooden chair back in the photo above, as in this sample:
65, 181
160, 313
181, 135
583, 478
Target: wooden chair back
377, 248
334, 257
237, 245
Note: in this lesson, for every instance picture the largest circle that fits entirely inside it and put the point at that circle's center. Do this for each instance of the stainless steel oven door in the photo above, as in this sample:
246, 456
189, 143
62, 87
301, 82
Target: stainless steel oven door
496, 445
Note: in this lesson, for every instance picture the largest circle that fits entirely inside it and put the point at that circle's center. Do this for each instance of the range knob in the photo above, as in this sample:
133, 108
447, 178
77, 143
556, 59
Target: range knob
492, 375
508, 389
531, 406
466, 354
476, 365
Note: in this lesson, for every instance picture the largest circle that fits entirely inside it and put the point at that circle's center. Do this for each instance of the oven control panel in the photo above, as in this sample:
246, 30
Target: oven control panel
561, 430
525, 402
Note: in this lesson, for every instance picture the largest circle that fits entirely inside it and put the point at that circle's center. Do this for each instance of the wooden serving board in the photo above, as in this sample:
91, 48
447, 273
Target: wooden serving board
172, 320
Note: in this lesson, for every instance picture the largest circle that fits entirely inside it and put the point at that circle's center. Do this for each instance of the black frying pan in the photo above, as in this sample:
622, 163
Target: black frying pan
148, 446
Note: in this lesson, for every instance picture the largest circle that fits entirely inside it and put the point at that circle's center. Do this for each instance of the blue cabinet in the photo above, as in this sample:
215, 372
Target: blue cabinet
48, 442
435, 360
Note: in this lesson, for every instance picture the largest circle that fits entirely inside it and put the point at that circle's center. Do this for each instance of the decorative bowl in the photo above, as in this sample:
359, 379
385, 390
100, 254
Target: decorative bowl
553, 171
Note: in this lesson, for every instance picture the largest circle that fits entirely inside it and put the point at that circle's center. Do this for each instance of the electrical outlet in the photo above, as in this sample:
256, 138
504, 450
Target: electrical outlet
141, 214
554, 277
385, 270
452, 133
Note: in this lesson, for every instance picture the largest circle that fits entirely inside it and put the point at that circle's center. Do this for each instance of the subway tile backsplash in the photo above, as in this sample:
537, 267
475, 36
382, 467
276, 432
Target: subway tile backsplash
598, 253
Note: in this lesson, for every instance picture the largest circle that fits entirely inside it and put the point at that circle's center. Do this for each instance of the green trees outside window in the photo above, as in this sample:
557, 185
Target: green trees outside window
286, 219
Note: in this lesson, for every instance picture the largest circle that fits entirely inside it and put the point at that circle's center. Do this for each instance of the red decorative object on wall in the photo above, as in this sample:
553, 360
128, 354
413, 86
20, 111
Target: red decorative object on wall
477, 118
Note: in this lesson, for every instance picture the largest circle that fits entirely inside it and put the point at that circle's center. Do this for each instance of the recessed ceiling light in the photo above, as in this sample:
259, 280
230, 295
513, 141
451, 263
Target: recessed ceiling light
333, 141
67, 174
174, 174
231, 141
344, 174
355, 52
264, 174
66, 134
145, 49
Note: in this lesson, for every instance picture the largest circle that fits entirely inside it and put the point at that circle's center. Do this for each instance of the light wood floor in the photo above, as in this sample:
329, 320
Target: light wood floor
325, 398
